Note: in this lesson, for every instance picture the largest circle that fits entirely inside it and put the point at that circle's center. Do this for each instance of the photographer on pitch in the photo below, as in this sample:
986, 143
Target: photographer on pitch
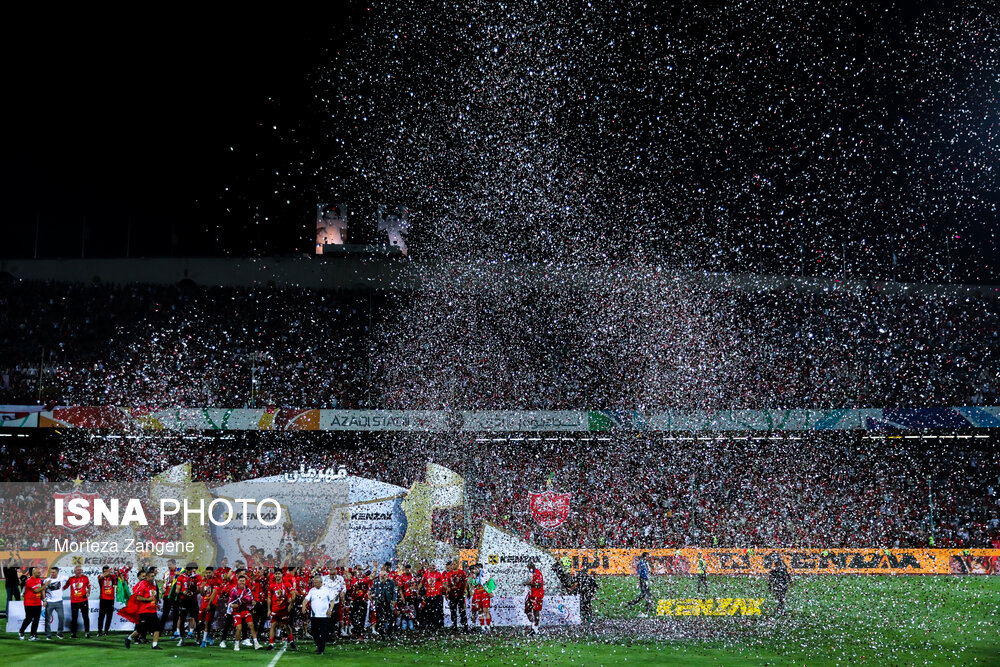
642, 574
778, 581
586, 586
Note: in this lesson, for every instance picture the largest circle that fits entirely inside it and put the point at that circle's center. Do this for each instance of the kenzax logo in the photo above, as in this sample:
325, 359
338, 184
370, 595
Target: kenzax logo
525, 558
372, 516
848, 560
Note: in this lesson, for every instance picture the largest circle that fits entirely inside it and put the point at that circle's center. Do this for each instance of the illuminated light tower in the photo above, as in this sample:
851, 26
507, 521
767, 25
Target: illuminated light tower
331, 225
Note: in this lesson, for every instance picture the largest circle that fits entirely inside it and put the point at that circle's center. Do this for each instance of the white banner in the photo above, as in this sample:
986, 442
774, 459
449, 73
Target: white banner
18, 419
382, 420
508, 610
506, 557
16, 617
517, 421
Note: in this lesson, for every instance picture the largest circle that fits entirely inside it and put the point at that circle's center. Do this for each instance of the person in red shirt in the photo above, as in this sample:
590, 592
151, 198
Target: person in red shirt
279, 603
301, 578
32, 604
251, 558
405, 581
240, 605
228, 584
359, 600
257, 583
433, 582
170, 594
209, 596
345, 615
536, 596
107, 580
481, 599
79, 592
189, 583
456, 582
146, 595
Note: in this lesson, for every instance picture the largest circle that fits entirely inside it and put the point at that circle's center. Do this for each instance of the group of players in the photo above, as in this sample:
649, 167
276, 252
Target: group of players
355, 601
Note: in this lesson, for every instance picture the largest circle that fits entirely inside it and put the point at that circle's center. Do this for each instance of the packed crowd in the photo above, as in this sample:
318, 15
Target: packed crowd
823, 490
160, 346
75, 344
749, 494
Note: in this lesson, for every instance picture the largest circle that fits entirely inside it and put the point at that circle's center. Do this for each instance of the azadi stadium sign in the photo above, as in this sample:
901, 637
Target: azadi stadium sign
538, 421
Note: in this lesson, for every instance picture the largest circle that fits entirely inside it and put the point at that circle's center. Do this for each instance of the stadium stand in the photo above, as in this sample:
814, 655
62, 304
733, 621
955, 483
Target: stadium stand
80, 344
820, 490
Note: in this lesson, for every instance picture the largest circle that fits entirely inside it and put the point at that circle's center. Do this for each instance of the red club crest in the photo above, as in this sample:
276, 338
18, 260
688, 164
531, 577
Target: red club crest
549, 508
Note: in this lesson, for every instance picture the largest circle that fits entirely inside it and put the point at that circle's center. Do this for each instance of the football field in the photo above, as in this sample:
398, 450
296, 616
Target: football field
847, 620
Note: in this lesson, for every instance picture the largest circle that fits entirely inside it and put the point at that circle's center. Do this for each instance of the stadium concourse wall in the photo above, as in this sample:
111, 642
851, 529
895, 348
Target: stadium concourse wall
126, 419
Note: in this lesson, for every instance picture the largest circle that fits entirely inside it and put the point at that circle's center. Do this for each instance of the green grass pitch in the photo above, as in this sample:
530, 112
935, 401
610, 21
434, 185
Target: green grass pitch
848, 620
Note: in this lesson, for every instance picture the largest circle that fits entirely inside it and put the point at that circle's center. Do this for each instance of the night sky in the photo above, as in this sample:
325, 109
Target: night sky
169, 123
745, 136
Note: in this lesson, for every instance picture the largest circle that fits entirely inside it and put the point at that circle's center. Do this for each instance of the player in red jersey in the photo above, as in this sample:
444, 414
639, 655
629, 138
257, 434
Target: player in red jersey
252, 558
536, 596
188, 585
79, 592
480, 598
405, 581
345, 615
146, 596
211, 584
302, 585
279, 603
257, 583
33, 592
240, 605
108, 582
227, 586
359, 601
433, 584
456, 585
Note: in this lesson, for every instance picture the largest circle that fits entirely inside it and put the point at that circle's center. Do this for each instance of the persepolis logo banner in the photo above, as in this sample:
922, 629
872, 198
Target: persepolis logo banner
550, 509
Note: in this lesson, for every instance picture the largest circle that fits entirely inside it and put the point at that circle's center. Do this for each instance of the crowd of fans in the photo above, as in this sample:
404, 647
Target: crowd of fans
191, 346
75, 344
823, 490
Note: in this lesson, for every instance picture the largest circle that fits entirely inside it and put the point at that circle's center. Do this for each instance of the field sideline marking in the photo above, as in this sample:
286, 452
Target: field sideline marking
276, 658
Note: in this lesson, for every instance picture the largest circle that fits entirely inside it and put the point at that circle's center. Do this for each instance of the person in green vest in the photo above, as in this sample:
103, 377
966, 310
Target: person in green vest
702, 568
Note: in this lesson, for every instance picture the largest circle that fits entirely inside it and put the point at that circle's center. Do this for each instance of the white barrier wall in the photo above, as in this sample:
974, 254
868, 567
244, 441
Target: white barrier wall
15, 616
508, 610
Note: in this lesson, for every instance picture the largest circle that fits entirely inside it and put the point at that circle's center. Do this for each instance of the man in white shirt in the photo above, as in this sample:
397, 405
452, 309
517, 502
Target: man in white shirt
320, 600
53, 587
